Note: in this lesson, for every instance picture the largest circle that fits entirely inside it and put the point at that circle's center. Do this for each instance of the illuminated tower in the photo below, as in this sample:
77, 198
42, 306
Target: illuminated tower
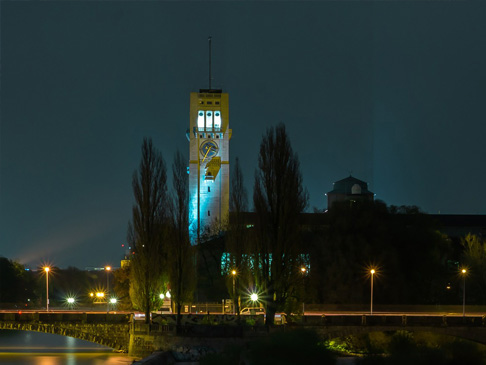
209, 137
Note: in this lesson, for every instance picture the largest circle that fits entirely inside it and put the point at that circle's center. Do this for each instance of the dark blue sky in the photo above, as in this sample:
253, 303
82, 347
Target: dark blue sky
393, 92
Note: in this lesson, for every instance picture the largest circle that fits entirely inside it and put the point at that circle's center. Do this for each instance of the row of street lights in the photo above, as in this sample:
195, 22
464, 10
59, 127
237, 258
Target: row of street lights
71, 301
253, 297
463, 273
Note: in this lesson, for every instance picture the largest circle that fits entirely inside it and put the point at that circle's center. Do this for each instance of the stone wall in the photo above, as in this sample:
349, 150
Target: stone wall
112, 330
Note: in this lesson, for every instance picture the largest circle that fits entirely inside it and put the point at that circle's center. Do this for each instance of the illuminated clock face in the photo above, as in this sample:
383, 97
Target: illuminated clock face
209, 149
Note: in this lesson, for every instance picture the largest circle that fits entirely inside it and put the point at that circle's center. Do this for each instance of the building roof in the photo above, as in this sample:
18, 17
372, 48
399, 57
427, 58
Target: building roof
351, 186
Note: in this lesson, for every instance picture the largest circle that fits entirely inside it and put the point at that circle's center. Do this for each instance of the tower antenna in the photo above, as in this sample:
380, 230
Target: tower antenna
209, 41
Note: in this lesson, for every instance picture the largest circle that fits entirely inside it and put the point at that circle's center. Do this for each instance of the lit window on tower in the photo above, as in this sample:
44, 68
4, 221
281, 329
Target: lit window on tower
209, 120
217, 120
200, 120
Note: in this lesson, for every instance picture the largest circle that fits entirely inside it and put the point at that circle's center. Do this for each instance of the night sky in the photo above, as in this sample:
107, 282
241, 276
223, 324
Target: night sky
393, 93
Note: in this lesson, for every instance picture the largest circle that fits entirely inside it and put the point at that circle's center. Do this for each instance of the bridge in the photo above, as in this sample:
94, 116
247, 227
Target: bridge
122, 333
112, 330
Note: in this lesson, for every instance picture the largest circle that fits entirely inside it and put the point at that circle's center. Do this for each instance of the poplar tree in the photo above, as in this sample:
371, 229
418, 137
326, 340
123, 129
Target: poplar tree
278, 197
237, 238
181, 253
147, 229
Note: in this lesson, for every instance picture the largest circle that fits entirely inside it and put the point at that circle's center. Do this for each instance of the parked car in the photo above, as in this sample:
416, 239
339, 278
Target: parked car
252, 311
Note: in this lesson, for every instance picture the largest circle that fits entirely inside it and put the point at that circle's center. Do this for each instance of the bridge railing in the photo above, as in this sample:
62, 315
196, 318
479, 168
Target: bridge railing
47, 317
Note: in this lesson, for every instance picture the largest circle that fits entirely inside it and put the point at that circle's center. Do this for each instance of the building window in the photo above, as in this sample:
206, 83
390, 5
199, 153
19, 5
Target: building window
209, 213
356, 189
209, 189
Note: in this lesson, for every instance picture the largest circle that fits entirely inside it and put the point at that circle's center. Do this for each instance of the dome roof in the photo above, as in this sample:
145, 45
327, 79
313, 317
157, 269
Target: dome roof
351, 186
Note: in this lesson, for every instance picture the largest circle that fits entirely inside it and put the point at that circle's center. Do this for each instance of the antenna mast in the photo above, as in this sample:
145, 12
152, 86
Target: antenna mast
209, 41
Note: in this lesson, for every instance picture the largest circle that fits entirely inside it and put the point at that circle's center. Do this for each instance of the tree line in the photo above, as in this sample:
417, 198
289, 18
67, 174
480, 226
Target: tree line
279, 256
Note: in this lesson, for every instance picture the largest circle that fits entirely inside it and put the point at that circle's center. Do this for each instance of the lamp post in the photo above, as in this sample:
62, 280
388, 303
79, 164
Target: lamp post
303, 270
233, 272
107, 269
46, 269
464, 272
372, 272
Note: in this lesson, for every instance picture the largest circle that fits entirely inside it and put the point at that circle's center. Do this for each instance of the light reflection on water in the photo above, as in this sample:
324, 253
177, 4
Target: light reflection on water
34, 348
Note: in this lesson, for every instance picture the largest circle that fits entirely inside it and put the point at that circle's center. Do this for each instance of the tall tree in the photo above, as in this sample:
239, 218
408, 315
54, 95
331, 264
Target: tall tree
278, 197
181, 253
146, 231
474, 257
236, 239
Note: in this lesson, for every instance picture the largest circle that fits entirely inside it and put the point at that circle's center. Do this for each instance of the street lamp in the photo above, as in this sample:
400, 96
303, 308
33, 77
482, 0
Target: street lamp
46, 269
107, 269
303, 270
233, 272
372, 272
464, 272
71, 302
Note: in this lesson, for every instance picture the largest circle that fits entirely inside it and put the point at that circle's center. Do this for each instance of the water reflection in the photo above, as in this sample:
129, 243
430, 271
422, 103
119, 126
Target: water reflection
34, 348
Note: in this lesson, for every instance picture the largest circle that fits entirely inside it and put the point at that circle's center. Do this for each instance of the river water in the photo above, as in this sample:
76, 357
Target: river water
34, 348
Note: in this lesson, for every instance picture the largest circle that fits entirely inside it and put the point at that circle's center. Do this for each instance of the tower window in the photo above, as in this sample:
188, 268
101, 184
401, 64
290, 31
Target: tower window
200, 120
209, 102
217, 119
209, 213
217, 103
209, 120
209, 189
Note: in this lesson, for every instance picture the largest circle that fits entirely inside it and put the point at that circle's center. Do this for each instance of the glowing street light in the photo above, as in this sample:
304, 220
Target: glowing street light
254, 297
46, 269
113, 300
233, 272
70, 302
162, 296
372, 272
463, 273
303, 270
107, 269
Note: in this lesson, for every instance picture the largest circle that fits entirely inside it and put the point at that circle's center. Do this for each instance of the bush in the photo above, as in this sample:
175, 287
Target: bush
295, 347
